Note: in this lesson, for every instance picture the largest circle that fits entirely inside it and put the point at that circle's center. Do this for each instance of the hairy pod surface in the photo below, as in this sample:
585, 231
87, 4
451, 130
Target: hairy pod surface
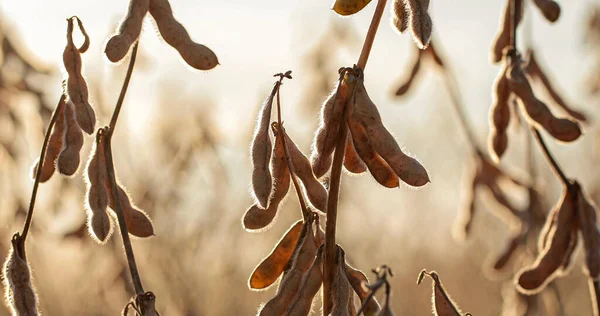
352, 161
271, 267
138, 222
349, 7
441, 301
55, 146
502, 39
399, 16
99, 223
500, 115
420, 22
356, 279
196, 55
19, 291
69, 158
311, 283
341, 287
128, 31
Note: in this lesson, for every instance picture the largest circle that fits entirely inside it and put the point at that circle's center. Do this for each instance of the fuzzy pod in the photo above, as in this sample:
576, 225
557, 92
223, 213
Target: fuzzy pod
138, 222
349, 7
502, 39
256, 217
443, 305
76, 87
260, 153
549, 8
19, 291
271, 267
409, 80
365, 112
128, 31
55, 146
99, 223
588, 225
311, 283
69, 158
196, 55
563, 129
341, 287
534, 278
356, 279
332, 112
352, 161
535, 70
420, 22
399, 18
499, 115
316, 193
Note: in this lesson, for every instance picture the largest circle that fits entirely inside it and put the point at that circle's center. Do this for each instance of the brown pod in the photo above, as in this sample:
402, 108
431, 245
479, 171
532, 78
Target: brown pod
196, 55
588, 224
507, 253
356, 279
549, 8
433, 53
68, 160
499, 115
19, 291
138, 222
291, 282
316, 193
352, 161
379, 169
99, 223
441, 301
406, 167
533, 279
128, 31
332, 112
256, 217
260, 153
502, 40
76, 87
399, 19
560, 128
534, 69
568, 261
55, 146
311, 283
420, 22
341, 287
271, 267
408, 81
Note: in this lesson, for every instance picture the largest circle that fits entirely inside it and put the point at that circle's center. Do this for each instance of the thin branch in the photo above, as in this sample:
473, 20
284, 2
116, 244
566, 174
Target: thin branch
38, 173
115, 115
595, 291
366, 50
555, 167
514, 23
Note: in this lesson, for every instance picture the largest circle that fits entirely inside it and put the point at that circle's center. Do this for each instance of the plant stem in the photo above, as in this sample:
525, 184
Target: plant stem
514, 23
336, 169
38, 173
555, 167
595, 291
115, 115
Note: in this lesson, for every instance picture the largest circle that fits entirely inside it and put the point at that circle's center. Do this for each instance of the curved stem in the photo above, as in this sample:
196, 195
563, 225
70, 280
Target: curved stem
115, 115
555, 167
38, 173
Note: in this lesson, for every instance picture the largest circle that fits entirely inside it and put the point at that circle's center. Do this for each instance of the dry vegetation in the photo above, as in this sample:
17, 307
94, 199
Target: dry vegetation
197, 264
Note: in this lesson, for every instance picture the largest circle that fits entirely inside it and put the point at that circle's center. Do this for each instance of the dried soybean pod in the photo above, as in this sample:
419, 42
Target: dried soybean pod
549, 8
260, 153
534, 69
76, 87
311, 283
341, 287
267, 272
351, 303
502, 40
194, 54
19, 291
356, 279
99, 223
68, 159
567, 263
500, 115
560, 128
588, 224
533, 279
408, 81
441, 301
137, 221
55, 146
420, 22
352, 161
316, 193
405, 167
256, 217
399, 19
128, 31
379, 169
291, 282
349, 7
332, 112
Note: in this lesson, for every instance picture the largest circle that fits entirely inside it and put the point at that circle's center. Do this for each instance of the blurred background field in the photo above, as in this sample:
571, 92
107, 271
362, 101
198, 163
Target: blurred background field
182, 150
